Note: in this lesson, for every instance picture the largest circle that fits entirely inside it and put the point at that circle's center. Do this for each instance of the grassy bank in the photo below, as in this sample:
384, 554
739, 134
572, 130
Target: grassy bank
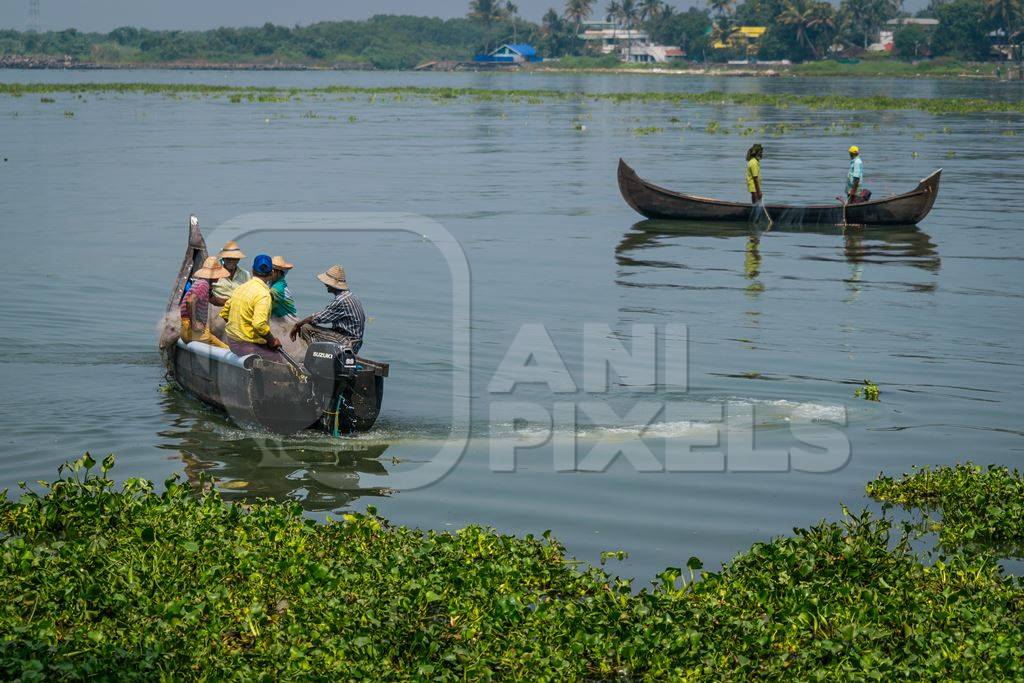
868, 66
103, 580
273, 94
890, 67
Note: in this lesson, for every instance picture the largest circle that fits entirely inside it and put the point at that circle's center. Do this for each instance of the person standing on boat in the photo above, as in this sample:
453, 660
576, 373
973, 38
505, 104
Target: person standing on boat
229, 257
341, 321
283, 303
855, 179
754, 155
248, 314
195, 305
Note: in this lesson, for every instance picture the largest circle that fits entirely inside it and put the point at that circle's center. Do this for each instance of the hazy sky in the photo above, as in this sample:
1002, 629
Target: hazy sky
103, 15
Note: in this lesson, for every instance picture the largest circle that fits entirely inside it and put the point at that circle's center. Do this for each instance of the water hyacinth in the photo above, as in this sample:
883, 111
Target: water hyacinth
981, 508
119, 581
939, 105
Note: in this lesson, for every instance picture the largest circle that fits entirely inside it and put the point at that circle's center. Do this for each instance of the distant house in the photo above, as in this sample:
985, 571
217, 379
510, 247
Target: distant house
652, 52
511, 53
613, 38
886, 36
745, 37
629, 44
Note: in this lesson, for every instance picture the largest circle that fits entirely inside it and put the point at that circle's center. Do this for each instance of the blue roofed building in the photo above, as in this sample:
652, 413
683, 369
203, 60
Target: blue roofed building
511, 53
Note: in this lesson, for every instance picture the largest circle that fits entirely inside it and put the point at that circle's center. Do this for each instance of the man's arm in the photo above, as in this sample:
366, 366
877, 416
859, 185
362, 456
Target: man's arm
298, 326
227, 308
757, 185
190, 306
261, 320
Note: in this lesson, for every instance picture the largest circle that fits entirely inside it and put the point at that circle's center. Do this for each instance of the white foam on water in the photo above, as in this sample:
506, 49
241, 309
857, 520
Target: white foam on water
768, 411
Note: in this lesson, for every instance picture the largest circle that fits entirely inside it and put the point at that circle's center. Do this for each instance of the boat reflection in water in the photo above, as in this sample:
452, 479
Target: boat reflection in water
318, 472
886, 244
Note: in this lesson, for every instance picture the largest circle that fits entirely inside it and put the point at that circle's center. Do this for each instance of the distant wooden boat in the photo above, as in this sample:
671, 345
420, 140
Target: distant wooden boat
336, 391
656, 202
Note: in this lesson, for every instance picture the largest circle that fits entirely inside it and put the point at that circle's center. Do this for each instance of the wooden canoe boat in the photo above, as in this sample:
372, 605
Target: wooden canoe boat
336, 391
656, 202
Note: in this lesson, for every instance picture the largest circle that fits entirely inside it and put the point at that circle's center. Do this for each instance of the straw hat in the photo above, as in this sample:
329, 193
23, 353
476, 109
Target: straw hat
211, 270
280, 263
334, 277
231, 250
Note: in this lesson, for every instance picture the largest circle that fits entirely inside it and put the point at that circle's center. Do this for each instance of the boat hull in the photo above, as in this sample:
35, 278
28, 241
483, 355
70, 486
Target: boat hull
656, 202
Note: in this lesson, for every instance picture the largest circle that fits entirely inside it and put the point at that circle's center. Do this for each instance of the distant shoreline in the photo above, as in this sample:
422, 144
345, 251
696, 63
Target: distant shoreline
869, 68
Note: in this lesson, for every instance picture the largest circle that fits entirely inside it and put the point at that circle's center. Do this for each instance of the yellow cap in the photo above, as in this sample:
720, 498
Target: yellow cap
854, 149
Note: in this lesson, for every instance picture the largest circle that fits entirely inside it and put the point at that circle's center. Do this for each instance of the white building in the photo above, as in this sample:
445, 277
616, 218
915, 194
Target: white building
630, 44
655, 53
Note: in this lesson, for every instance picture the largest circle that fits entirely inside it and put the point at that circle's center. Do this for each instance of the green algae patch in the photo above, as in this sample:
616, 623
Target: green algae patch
106, 580
235, 94
981, 508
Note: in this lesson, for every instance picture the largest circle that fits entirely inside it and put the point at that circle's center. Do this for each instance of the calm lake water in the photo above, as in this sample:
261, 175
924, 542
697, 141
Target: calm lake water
784, 323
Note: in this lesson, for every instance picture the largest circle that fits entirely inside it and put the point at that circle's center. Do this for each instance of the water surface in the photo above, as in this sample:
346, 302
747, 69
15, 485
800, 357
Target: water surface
788, 321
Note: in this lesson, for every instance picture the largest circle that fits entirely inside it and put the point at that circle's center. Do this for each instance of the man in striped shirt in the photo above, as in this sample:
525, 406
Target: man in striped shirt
341, 321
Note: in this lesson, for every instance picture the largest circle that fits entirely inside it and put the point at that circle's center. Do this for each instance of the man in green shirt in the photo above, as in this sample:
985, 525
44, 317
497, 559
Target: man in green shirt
281, 296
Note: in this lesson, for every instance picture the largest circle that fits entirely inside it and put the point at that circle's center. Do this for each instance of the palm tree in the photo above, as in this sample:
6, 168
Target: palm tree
552, 30
651, 10
1006, 14
865, 18
612, 11
577, 11
810, 19
486, 12
511, 10
720, 8
629, 13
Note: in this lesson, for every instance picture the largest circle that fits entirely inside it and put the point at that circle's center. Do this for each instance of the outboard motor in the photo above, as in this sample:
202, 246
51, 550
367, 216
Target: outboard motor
327, 362
338, 384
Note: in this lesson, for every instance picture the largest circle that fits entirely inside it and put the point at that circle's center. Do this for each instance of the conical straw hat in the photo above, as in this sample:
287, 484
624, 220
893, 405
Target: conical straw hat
211, 270
334, 277
281, 264
231, 250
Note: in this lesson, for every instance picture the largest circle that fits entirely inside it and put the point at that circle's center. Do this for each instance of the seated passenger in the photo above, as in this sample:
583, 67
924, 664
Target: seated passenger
195, 305
248, 315
283, 303
236, 277
341, 321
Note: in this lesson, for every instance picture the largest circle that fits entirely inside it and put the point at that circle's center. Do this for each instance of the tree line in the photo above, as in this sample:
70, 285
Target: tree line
796, 29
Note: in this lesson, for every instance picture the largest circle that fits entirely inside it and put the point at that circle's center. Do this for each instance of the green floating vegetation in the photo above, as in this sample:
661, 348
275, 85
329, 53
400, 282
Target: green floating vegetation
868, 392
647, 130
940, 105
107, 581
981, 507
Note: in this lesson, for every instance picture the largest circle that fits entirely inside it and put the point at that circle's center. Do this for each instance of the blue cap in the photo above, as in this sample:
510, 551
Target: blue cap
262, 265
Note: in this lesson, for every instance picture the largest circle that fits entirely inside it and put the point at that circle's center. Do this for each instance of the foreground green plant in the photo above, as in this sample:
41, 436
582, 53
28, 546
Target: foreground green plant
938, 105
101, 581
981, 508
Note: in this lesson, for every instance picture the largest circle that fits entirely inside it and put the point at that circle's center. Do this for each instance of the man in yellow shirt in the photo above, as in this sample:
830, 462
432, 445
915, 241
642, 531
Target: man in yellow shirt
248, 314
754, 155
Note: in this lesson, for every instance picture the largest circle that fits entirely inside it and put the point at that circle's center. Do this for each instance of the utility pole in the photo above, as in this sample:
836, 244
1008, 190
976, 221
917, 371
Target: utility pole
32, 25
